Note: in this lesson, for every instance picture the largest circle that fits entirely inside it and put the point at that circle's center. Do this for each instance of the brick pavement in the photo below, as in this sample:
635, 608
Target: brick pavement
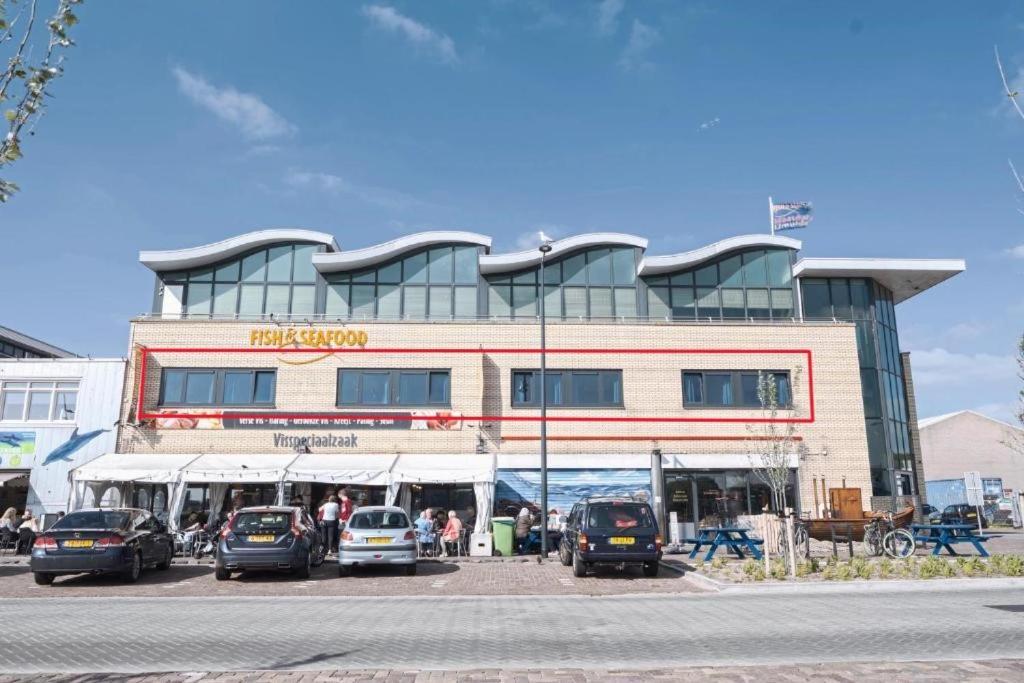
140, 635
433, 578
993, 671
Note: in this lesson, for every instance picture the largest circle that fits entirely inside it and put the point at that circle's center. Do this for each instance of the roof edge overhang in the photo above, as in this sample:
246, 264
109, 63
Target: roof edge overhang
655, 265
356, 259
207, 254
505, 263
904, 277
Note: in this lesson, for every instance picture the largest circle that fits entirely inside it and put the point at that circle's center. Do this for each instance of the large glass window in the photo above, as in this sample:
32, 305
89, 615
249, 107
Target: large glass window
597, 283
394, 387
217, 387
439, 283
733, 388
279, 280
752, 284
42, 401
568, 388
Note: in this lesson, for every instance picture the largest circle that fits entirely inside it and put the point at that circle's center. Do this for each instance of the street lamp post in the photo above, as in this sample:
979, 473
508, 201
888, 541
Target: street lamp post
545, 247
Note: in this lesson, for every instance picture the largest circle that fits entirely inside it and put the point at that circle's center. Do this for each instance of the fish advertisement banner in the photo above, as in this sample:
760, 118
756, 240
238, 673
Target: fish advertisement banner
516, 489
17, 443
432, 420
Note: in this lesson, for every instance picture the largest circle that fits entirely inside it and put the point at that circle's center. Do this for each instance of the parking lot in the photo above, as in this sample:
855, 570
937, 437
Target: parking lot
527, 577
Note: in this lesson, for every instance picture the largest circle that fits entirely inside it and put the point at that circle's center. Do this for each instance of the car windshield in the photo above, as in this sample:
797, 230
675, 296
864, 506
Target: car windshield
94, 519
379, 519
254, 522
620, 516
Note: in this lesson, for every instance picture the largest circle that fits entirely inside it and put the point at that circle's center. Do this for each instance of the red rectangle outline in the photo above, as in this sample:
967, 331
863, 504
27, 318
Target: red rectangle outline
142, 415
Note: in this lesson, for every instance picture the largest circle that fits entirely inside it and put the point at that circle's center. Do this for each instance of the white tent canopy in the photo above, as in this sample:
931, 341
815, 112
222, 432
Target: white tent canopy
237, 468
372, 469
163, 468
429, 468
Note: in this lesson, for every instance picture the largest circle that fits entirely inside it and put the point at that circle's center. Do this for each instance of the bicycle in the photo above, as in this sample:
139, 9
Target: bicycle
896, 543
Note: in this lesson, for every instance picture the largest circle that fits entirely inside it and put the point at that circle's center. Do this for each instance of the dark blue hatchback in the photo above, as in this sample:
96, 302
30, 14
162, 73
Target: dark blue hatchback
611, 531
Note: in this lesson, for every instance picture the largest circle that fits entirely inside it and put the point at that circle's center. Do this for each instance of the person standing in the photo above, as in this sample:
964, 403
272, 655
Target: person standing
346, 507
524, 522
328, 517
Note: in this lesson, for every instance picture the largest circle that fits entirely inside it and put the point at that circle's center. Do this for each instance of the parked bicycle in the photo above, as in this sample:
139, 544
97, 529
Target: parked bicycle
881, 536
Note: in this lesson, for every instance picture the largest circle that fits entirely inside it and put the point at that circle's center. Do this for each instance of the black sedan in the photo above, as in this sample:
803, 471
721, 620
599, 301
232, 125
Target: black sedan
273, 537
102, 541
963, 514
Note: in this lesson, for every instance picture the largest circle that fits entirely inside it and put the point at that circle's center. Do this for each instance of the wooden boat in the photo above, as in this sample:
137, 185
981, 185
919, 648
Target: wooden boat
821, 529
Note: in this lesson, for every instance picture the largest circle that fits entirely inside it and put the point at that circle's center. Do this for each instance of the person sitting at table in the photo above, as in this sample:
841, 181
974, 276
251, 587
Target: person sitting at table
27, 533
524, 522
470, 518
9, 527
452, 533
440, 520
425, 532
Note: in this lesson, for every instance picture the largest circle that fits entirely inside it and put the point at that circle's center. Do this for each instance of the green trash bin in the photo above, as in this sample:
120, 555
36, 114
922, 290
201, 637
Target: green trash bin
503, 530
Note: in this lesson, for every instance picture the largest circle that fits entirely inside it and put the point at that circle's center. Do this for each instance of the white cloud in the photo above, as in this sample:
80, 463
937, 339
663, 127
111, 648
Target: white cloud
248, 113
1017, 251
641, 39
608, 12
420, 35
336, 185
940, 367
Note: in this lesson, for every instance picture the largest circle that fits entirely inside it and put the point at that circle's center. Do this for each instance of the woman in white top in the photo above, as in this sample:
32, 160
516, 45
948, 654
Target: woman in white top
328, 516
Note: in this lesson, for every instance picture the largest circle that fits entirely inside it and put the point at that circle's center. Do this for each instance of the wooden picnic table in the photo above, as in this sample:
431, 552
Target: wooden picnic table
733, 538
944, 536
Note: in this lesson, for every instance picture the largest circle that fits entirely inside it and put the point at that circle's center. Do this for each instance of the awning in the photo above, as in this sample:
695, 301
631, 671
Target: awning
12, 476
342, 468
575, 461
443, 468
150, 468
716, 461
237, 468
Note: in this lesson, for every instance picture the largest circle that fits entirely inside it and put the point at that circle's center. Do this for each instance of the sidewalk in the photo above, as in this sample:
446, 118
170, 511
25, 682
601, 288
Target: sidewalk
994, 671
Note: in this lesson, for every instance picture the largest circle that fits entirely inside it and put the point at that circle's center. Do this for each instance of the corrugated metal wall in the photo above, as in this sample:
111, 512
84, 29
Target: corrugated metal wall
99, 400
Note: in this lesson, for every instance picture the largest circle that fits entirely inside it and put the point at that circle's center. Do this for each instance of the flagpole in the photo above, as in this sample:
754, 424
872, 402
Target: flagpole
771, 216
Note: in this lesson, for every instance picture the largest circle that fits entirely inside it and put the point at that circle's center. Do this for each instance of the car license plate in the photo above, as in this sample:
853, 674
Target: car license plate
622, 540
263, 538
379, 540
77, 544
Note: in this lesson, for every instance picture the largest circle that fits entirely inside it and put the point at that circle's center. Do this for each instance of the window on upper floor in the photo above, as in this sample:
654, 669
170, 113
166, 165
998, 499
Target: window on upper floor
732, 388
596, 283
279, 280
217, 387
751, 284
38, 400
435, 283
394, 387
568, 388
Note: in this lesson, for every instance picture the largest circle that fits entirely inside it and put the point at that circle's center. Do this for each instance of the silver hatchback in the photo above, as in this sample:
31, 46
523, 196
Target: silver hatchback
380, 534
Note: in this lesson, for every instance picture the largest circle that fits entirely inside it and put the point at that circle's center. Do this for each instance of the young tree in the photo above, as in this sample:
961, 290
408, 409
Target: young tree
773, 444
31, 54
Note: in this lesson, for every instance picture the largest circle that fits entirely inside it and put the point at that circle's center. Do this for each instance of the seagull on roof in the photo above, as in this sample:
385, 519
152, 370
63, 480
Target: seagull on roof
544, 239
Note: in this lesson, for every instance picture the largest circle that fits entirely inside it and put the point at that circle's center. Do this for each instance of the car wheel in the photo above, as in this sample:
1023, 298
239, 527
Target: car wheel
221, 574
43, 579
320, 556
651, 569
344, 570
303, 571
132, 574
579, 567
165, 564
410, 570
564, 556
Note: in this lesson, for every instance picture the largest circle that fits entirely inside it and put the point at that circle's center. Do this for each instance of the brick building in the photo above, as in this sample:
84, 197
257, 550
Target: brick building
276, 363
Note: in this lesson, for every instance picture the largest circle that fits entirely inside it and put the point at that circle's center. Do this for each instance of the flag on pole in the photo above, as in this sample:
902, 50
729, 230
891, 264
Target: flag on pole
790, 215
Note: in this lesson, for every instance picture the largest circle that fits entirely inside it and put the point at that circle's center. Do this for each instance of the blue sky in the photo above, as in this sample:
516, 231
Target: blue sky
185, 123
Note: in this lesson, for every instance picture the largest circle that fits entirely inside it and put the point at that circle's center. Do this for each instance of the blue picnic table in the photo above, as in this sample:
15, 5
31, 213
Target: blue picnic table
733, 538
944, 536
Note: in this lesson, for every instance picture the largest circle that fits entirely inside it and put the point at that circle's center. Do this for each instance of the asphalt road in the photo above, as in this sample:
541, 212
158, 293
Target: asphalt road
643, 632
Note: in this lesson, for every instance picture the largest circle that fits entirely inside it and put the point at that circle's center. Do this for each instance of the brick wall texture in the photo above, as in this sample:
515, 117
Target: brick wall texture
834, 445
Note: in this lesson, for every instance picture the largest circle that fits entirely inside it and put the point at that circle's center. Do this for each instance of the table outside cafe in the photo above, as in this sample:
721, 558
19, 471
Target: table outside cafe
735, 539
945, 536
